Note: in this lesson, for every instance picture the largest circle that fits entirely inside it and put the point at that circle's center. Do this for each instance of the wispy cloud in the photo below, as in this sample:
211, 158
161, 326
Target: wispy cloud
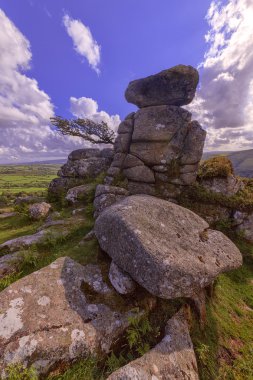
224, 102
83, 41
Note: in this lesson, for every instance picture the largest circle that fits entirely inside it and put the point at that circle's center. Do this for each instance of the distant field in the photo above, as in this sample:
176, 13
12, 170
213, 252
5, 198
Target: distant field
26, 178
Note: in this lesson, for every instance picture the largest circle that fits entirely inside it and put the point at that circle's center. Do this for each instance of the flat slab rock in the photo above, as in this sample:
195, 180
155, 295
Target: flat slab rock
172, 359
167, 249
46, 319
175, 86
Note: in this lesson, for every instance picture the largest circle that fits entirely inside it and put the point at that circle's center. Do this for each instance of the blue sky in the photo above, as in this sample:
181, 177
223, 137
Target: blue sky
92, 48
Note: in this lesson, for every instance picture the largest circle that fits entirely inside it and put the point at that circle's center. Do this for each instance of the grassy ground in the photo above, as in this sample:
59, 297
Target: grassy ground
224, 348
26, 178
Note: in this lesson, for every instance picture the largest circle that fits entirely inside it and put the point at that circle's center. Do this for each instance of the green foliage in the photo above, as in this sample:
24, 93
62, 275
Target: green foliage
84, 370
19, 372
113, 362
219, 166
137, 334
243, 200
8, 280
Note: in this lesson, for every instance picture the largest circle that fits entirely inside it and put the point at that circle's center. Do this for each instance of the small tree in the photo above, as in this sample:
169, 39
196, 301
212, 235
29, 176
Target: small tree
89, 130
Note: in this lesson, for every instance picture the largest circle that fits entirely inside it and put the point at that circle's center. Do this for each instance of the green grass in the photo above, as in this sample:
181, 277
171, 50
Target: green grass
16, 226
26, 178
225, 347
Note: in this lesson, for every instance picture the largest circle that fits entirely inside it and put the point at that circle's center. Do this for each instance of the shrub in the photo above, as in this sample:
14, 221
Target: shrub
215, 167
19, 372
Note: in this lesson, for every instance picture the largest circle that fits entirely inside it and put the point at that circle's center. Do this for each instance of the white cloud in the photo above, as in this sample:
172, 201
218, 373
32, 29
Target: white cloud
24, 108
83, 41
224, 103
88, 108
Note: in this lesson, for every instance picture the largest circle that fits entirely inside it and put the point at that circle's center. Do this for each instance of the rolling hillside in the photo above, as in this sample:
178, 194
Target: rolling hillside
242, 161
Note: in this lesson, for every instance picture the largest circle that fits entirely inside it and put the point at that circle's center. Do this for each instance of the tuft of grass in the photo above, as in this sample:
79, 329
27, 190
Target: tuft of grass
18, 372
219, 166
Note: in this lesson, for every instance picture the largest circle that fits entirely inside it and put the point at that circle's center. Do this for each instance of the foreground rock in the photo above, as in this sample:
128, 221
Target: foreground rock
166, 248
39, 211
16, 244
173, 358
175, 86
46, 320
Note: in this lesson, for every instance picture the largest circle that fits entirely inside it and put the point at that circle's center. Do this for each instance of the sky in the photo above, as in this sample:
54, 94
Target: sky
76, 58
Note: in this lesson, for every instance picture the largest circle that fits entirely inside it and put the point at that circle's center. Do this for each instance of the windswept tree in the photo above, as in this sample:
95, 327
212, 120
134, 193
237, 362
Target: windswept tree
89, 130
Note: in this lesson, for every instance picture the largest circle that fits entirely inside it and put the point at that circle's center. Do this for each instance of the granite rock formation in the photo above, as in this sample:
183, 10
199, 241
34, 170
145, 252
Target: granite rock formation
158, 148
82, 165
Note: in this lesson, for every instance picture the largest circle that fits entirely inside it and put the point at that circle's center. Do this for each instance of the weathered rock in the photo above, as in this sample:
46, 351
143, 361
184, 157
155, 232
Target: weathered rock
173, 358
58, 187
166, 248
194, 144
244, 224
7, 265
53, 223
159, 123
107, 195
80, 154
85, 168
122, 143
131, 161
48, 319
106, 189
224, 185
126, 126
120, 280
175, 86
141, 188
118, 160
113, 171
39, 211
140, 174
151, 153
16, 244
78, 193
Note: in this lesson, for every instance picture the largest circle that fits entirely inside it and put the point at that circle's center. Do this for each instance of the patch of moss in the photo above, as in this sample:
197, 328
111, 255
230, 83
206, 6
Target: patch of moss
219, 166
243, 200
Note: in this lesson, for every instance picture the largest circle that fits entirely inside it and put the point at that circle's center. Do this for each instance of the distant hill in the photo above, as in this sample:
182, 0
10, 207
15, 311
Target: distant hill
242, 161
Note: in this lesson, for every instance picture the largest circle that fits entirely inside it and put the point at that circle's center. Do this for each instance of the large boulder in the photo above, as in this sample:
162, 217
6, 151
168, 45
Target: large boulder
39, 211
57, 315
173, 358
166, 248
175, 86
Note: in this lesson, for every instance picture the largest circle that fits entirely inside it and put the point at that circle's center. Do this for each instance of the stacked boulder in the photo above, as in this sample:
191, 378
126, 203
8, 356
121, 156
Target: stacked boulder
82, 165
159, 147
